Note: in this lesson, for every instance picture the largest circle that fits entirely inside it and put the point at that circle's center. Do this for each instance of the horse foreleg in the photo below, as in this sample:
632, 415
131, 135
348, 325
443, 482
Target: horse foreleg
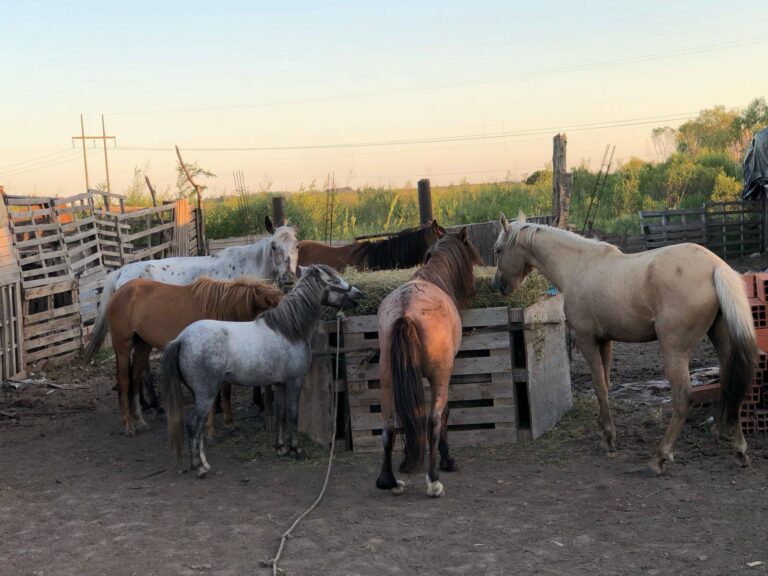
591, 351
141, 351
195, 428
279, 396
226, 405
148, 388
676, 370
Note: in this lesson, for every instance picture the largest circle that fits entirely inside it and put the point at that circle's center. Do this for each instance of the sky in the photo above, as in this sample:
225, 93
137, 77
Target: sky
376, 93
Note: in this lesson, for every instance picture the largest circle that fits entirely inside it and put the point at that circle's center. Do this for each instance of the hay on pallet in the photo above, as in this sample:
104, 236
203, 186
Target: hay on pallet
377, 285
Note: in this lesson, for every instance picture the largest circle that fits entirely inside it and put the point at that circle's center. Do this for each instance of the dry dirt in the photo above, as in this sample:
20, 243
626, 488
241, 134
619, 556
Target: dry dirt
79, 498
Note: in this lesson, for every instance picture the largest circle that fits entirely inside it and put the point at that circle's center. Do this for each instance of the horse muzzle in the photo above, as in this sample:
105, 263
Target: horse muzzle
499, 283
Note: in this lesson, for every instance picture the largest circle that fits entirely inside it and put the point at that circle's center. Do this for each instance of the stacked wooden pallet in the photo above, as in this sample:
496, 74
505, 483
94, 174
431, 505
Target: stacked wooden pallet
12, 363
511, 377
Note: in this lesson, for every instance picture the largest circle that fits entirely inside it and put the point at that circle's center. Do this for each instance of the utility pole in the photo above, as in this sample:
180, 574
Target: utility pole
104, 139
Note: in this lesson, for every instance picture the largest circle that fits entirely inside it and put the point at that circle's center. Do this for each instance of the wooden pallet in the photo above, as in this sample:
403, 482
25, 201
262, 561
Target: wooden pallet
504, 354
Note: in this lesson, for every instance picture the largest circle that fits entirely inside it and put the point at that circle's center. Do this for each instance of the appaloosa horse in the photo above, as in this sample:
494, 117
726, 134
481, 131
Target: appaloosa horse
272, 350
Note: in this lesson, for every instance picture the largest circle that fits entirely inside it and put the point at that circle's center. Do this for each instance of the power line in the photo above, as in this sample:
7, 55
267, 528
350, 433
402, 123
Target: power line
75, 156
406, 142
463, 83
34, 160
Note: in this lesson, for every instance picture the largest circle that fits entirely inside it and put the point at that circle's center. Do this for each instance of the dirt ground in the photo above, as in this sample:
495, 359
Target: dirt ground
78, 497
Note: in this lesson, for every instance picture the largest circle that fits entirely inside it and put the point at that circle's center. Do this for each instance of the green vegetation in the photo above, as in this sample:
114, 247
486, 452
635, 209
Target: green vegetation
696, 163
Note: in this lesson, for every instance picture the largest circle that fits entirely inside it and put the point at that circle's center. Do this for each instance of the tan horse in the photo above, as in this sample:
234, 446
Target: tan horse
145, 314
403, 250
419, 334
675, 295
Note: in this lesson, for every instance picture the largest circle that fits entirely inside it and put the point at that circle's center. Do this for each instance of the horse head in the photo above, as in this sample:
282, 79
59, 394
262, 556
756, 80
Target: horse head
283, 253
337, 292
511, 264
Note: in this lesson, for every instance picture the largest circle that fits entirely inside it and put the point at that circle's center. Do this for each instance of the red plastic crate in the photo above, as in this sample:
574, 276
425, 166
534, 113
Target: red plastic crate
750, 286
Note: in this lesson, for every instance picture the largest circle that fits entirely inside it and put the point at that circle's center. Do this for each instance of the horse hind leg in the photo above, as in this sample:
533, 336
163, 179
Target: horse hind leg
195, 429
718, 335
141, 351
434, 432
279, 396
293, 394
447, 463
386, 479
676, 370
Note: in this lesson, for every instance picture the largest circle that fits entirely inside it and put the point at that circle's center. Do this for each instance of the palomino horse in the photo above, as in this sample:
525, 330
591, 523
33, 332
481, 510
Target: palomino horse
403, 250
419, 335
273, 349
145, 314
273, 258
675, 295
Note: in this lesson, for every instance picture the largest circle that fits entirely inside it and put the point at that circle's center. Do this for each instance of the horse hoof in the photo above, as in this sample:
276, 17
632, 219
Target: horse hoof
742, 459
130, 431
298, 453
652, 470
399, 488
282, 451
434, 489
202, 472
449, 465
386, 482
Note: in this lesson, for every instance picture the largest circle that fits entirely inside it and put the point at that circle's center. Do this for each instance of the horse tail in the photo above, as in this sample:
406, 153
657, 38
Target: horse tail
173, 397
99, 332
408, 389
739, 369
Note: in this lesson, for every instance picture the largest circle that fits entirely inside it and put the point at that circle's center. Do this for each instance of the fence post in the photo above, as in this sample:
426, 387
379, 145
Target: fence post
559, 167
566, 185
425, 201
278, 211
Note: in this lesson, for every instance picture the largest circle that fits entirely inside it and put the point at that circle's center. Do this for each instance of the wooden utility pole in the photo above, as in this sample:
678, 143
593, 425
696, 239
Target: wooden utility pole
278, 211
201, 244
104, 139
562, 181
425, 201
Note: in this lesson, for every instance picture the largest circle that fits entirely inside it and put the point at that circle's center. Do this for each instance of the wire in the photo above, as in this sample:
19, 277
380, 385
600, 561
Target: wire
57, 162
34, 160
439, 139
458, 84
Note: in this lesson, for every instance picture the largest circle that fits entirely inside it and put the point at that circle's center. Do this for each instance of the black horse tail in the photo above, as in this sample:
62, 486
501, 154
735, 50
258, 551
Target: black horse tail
739, 370
408, 390
173, 397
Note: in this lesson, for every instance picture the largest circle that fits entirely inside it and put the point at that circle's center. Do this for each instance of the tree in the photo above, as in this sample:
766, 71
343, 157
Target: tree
755, 116
183, 187
715, 128
664, 142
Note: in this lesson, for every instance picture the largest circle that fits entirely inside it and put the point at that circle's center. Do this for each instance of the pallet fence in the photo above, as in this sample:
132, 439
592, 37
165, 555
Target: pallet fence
54, 256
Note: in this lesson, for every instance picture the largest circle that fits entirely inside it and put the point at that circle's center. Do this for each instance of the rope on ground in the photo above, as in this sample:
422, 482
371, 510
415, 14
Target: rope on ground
288, 532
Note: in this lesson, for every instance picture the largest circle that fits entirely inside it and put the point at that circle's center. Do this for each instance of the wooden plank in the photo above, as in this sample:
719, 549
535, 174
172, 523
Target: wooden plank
477, 317
51, 314
145, 212
458, 416
149, 232
462, 366
53, 351
368, 442
55, 286
469, 342
67, 322
32, 344
457, 392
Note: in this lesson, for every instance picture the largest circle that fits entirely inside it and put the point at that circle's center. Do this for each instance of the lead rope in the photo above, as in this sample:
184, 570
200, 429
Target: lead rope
287, 533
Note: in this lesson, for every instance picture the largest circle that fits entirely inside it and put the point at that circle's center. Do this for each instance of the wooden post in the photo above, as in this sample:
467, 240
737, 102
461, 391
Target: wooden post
278, 211
425, 201
559, 166
566, 185
202, 249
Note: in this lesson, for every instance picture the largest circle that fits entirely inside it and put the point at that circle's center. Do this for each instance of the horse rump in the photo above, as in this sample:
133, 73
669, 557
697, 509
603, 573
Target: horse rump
174, 400
408, 390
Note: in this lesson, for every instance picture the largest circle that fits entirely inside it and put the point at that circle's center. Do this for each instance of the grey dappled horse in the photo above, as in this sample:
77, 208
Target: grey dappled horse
273, 349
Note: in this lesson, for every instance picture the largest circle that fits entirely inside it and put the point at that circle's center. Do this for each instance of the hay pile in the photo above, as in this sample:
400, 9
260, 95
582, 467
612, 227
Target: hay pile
377, 285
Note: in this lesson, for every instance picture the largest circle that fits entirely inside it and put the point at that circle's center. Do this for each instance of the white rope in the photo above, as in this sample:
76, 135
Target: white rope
287, 533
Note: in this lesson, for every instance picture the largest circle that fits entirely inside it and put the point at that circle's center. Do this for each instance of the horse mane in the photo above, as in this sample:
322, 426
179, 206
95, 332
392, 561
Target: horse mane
449, 267
403, 250
528, 240
237, 300
300, 309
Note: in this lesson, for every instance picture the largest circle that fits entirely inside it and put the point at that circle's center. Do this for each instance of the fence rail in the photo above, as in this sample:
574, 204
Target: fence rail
54, 256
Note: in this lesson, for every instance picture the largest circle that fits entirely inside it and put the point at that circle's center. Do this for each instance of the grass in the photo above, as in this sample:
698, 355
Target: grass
377, 285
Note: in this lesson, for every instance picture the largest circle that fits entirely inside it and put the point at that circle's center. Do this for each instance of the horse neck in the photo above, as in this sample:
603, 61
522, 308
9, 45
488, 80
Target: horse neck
561, 257
256, 260
302, 307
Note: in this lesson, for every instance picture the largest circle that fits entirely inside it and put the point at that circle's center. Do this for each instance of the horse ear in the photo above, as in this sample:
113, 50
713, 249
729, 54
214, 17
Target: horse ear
302, 270
504, 223
437, 229
463, 234
521, 217
268, 224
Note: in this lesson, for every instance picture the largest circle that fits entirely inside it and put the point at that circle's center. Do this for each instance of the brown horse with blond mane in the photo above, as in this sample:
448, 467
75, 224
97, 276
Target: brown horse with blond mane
420, 334
145, 314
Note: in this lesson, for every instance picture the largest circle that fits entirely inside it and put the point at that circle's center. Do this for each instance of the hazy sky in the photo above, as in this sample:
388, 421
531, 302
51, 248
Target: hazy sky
303, 75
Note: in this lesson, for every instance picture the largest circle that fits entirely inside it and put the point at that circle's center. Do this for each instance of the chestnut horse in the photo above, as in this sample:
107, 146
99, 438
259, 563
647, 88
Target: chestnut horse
676, 295
420, 334
403, 250
145, 314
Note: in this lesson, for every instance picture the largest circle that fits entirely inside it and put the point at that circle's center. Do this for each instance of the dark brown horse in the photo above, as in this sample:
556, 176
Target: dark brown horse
419, 334
145, 314
403, 250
